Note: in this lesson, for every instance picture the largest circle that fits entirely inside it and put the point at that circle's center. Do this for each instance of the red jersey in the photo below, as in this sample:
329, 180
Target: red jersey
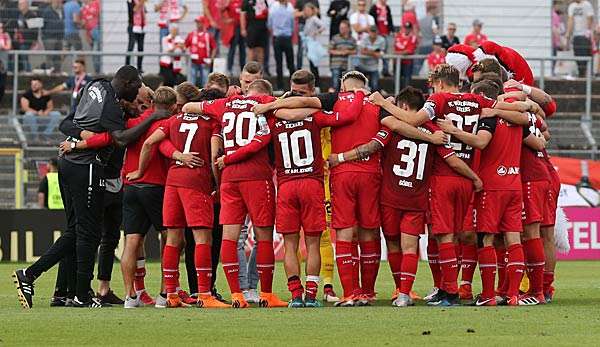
200, 46
407, 166
156, 172
511, 61
405, 43
190, 133
463, 110
475, 40
90, 15
234, 9
500, 160
239, 125
435, 59
382, 20
533, 167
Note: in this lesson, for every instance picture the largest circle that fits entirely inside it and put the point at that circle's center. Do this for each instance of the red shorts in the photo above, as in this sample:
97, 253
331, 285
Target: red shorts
187, 207
469, 222
396, 221
499, 211
301, 204
551, 201
450, 198
535, 200
256, 198
355, 200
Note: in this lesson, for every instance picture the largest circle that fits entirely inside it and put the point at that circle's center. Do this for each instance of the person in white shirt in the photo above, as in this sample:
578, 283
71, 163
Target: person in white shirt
579, 28
361, 21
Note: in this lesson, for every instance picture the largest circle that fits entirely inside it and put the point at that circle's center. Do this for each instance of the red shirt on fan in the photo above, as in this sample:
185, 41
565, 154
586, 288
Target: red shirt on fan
200, 46
435, 59
500, 160
190, 133
463, 109
533, 167
405, 43
239, 125
234, 8
511, 60
407, 165
475, 40
382, 19
156, 172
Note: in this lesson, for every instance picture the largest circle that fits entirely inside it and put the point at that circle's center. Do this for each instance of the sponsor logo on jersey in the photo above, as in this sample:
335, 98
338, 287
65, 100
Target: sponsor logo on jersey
404, 183
503, 170
95, 94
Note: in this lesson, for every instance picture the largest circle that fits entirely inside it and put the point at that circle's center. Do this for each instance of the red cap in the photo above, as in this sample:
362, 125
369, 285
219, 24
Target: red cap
202, 19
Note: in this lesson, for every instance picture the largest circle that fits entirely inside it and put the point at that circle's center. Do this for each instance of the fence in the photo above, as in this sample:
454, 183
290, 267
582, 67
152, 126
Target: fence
13, 157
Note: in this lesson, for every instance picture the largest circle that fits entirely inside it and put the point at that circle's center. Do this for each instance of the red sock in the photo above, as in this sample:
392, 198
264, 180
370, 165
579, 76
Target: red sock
369, 265
449, 267
409, 271
459, 255
434, 264
343, 259
231, 267
548, 280
487, 269
355, 269
203, 262
515, 268
468, 263
312, 286
534, 253
501, 259
265, 264
395, 261
295, 287
170, 265
140, 274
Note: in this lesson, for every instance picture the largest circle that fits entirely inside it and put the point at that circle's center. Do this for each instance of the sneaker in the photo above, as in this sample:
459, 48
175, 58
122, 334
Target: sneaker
217, 296
145, 298
238, 301
91, 303
132, 302
481, 301
395, 294
312, 303
161, 301
364, 300
445, 299
253, 296
501, 300
271, 300
24, 288
403, 300
549, 295
531, 300
413, 295
345, 302
69, 302
174, 300
431, 294
512, 301
465, 292
110, 298
296, 303
329, 295
209, 301
58, 301
186, 298
436, 297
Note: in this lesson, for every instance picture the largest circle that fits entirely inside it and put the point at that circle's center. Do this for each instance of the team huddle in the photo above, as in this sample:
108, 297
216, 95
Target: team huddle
469, 168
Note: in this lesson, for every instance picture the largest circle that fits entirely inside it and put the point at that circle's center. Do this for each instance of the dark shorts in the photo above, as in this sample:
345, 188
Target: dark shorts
258, 34
142, 208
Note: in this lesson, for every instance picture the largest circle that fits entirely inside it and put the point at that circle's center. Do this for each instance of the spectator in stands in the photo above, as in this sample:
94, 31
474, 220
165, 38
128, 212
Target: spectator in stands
5, 45
90, 21
313, 27
438, 55
211, 9
49, 191
170, 66
405, 43
53, 33
238, 42
341, 46
428, 28
450, 39
372, 47
72, 13
301, 22
136, 10
476, 37
385, 26
24, 36
74, 83
281, 24
338, 12
170, 12
202, 48
410, 15
361, 21
579, 29
253, 22
35, 104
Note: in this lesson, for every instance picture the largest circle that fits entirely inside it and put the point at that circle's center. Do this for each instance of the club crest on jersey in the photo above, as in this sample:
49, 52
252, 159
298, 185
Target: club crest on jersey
503, 170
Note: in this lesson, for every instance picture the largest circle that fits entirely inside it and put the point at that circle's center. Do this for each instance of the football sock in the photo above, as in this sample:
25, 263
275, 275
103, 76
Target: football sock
501, 259
468, 263
409, 271
343, 259
171, 268
355, 269
434, 265
203, 263
449, 267
459, 255
231, 267
312, 286
140, 274
515, 268
395, 261
295, 287
534, 253
369, 265
265, 264
487, 269
548, 280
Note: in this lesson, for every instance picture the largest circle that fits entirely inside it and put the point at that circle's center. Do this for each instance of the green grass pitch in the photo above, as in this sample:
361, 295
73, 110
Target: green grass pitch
573, 319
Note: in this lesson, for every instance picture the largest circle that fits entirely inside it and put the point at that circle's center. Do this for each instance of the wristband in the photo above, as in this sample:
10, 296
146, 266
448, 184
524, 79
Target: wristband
341, 157
73, 145
526, 89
